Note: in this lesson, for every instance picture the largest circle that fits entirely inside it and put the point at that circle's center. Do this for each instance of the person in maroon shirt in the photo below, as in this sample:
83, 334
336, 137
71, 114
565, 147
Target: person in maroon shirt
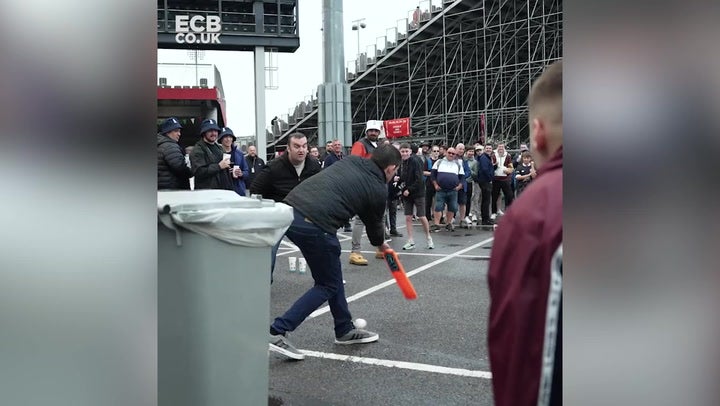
525, 276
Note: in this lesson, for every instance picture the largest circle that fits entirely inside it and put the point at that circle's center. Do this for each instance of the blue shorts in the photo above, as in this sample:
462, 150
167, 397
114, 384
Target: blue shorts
449, 197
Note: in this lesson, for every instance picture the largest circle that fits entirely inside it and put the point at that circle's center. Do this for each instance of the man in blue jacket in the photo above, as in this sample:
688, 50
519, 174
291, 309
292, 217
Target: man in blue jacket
484, 177
239, 170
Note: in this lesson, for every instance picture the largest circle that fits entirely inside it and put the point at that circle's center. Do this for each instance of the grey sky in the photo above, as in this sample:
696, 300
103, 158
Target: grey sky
299, 73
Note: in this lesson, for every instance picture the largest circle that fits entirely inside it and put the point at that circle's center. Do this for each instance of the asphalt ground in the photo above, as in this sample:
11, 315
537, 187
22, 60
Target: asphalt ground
431, 351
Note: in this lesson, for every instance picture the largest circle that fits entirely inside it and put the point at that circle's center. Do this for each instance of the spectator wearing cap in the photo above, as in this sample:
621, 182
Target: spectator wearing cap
208, 164
364, 148
425, 146
172, 170
239, 169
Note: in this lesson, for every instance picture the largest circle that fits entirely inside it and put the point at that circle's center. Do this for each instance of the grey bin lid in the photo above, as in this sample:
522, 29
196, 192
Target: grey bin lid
225, 215
193, 200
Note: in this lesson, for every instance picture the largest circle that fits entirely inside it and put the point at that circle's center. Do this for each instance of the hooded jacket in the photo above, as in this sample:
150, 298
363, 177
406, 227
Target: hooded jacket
524, 257
172, 171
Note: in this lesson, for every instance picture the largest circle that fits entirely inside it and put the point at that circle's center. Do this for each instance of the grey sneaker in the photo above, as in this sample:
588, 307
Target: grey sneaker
357, 336
281, 345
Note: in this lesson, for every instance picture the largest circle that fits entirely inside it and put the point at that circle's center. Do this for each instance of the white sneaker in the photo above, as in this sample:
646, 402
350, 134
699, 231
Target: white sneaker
468, 221
493, 216
409, 245
430, 243
500, 212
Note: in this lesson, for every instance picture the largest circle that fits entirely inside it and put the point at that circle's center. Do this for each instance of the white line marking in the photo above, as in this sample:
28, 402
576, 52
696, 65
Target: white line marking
415, 271
287, 244
424, 254
292, 251
401, 364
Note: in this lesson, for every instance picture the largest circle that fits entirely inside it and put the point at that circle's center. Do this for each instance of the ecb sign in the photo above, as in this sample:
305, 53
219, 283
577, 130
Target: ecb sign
197, 29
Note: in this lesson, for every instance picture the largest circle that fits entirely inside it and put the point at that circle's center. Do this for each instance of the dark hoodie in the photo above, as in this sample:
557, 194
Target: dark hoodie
172, 171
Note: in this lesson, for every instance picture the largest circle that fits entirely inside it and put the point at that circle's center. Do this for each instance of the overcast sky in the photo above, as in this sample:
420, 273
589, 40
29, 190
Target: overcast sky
300, 72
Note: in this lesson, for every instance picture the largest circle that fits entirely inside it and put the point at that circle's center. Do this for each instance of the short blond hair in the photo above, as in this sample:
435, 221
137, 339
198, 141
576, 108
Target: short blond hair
546, 95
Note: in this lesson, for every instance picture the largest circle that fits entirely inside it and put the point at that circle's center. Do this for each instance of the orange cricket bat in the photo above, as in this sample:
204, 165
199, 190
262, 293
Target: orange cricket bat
398, 272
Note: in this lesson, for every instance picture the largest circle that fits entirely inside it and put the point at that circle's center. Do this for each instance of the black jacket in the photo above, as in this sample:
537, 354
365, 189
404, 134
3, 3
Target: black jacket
279, 177
255, 165
172, 171
411, 175
205, 160
356, 185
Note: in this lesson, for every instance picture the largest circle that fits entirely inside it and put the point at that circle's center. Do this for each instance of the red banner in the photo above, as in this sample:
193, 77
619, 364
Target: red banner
396, 128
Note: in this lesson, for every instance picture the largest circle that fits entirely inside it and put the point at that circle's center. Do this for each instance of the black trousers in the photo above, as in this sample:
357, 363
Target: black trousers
392, 213
486, 190
497, 186
429, 206
469, 197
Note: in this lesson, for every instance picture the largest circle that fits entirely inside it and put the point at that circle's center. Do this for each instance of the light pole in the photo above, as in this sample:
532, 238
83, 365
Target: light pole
195, 54
357, 26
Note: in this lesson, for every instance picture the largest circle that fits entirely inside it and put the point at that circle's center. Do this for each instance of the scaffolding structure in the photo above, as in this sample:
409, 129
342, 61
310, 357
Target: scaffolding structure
460, 69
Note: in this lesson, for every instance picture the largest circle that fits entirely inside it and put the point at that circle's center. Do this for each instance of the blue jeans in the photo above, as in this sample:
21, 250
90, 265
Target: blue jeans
449, 197
322, 254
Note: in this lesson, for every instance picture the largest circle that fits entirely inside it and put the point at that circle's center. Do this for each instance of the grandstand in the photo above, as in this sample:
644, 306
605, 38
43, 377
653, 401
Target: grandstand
460, 69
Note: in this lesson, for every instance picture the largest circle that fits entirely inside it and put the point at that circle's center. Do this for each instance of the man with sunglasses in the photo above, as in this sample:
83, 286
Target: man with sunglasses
447, 175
